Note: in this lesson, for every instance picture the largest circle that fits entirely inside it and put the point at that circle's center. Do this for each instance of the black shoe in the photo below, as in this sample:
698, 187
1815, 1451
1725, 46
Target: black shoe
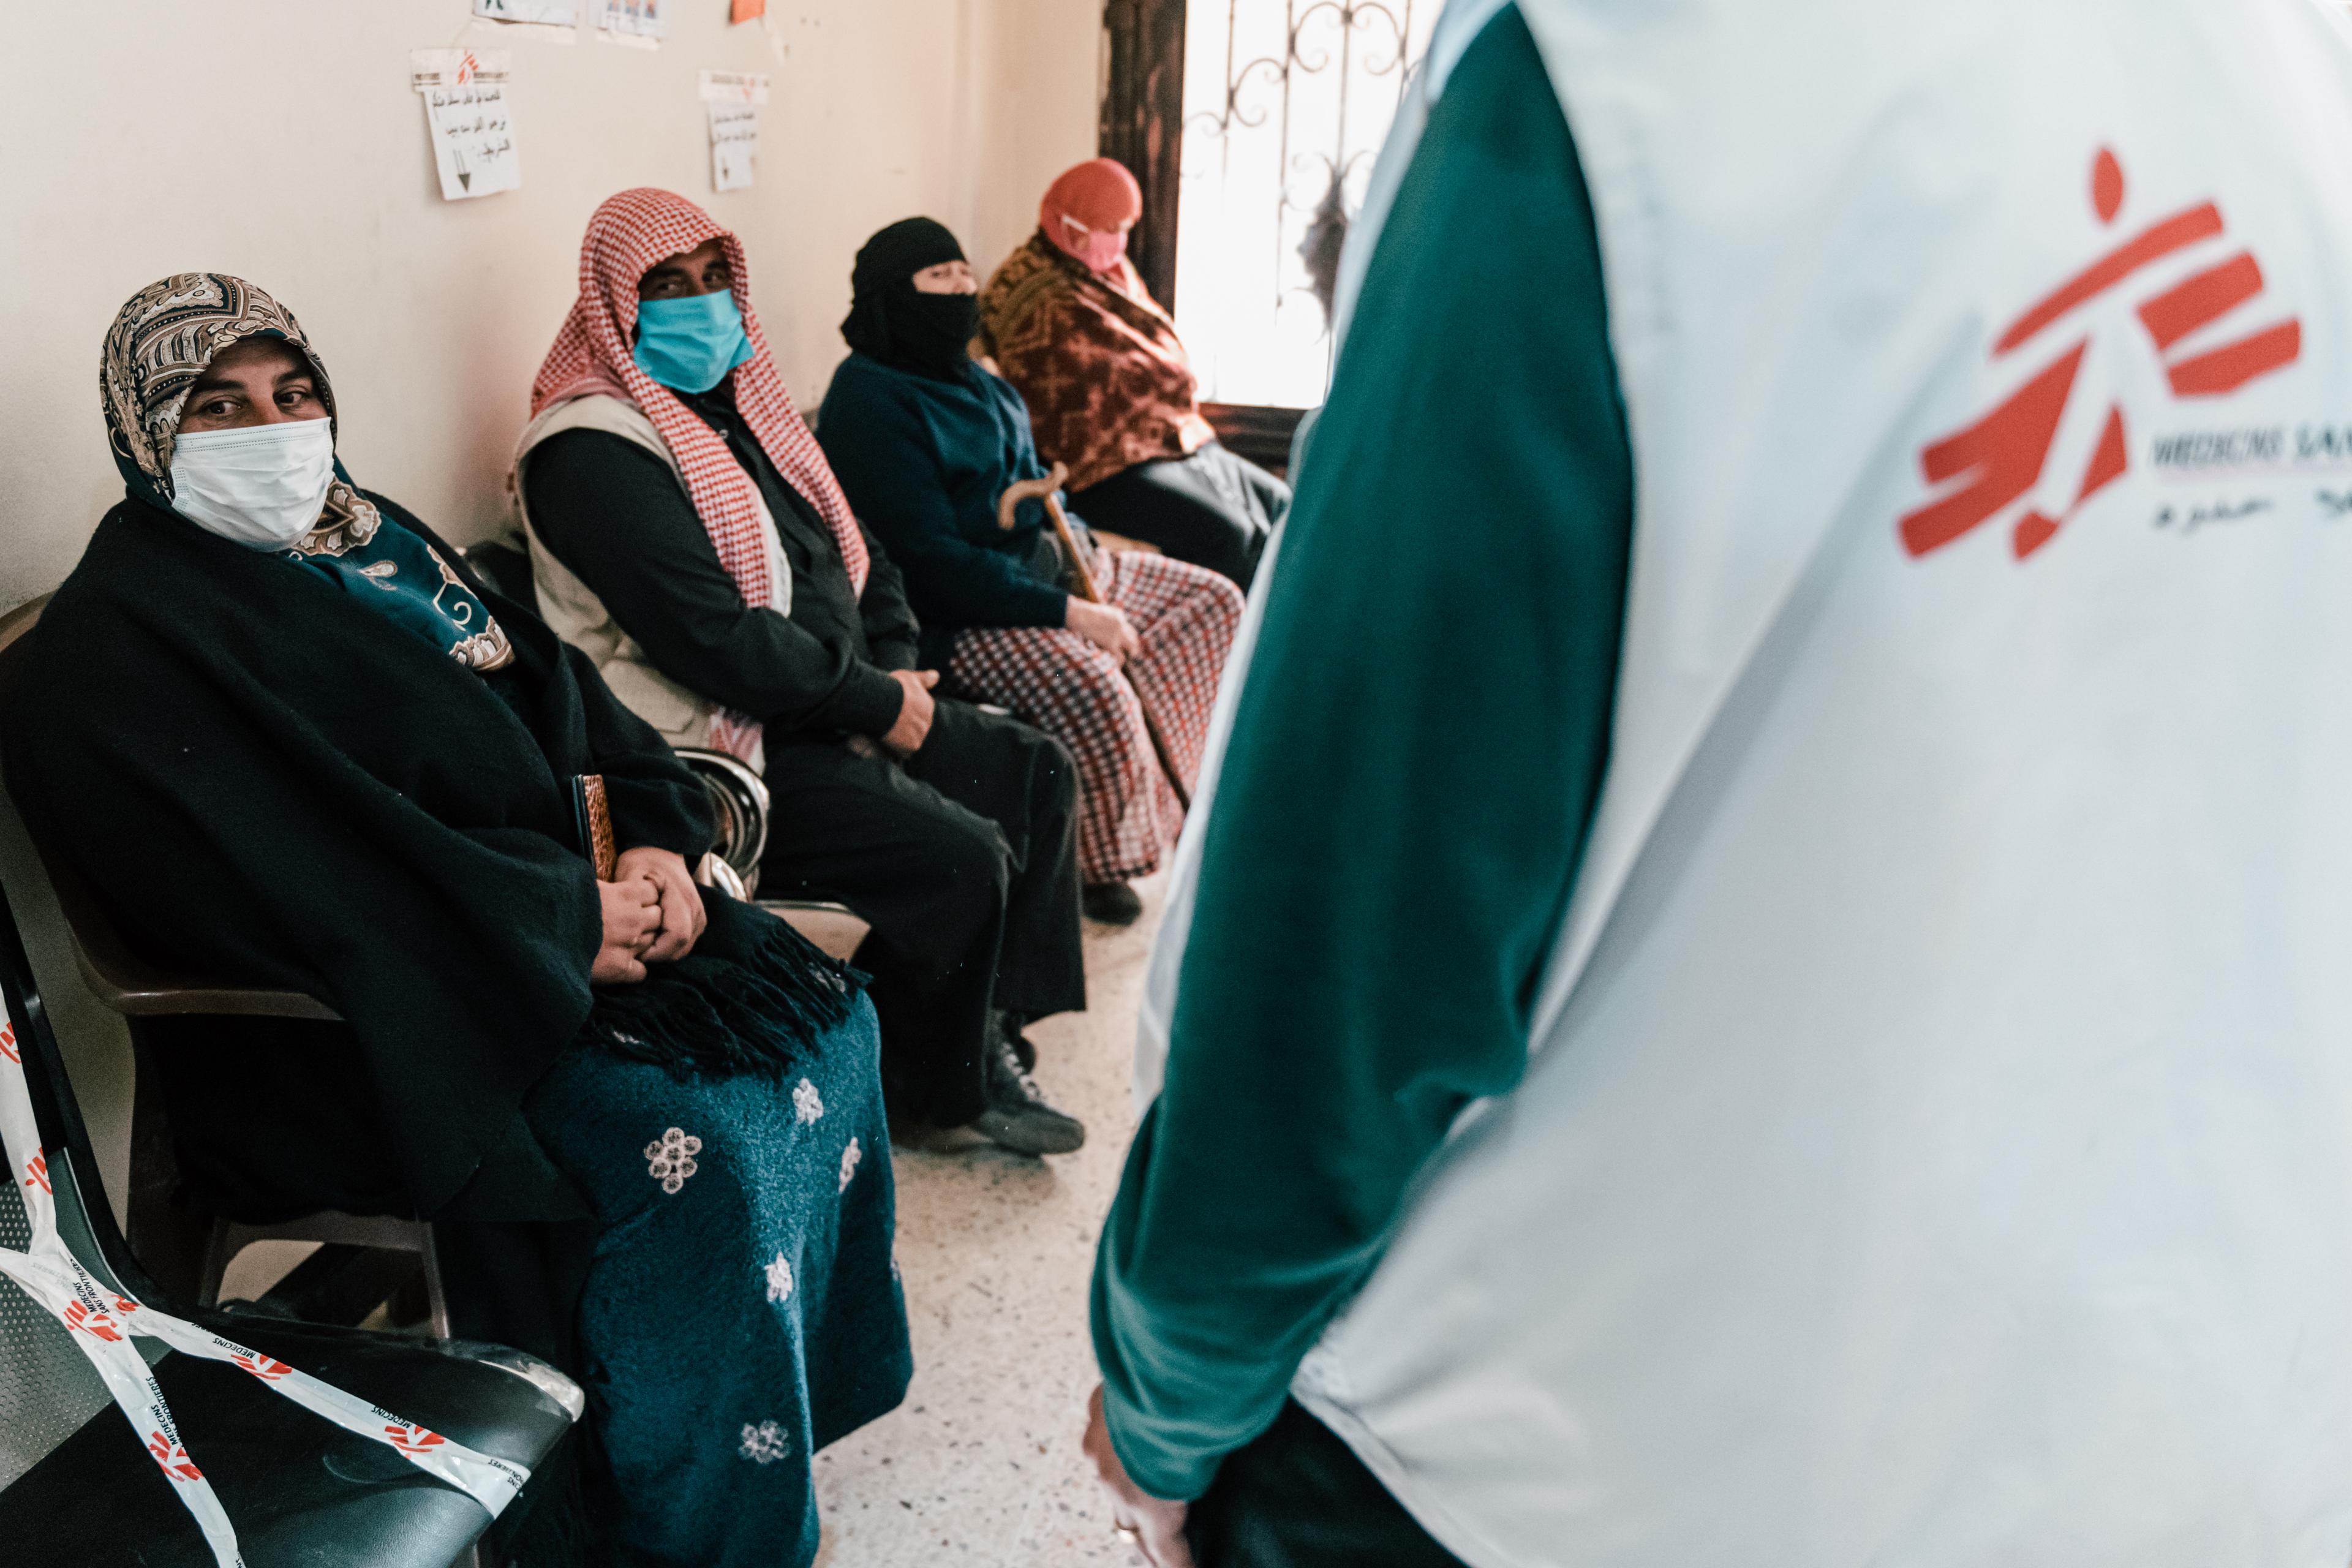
1024, 1050
1112, 903
1018, 1117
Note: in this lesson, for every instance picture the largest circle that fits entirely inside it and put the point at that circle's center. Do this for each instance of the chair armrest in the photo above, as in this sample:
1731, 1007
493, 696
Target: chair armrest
835, 929
135, 988
150, 994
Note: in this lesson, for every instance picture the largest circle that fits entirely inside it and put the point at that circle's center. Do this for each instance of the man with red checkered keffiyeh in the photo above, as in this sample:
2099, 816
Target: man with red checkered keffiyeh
687, 534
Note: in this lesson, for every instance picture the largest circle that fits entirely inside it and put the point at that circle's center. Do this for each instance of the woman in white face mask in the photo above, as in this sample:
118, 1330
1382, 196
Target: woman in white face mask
293, 741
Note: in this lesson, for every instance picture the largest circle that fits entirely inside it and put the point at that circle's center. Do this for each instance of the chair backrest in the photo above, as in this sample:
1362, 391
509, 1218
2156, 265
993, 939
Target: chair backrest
47, 1387
116, 974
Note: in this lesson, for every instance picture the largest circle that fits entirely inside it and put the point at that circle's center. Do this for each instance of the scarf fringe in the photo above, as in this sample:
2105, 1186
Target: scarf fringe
719, 1017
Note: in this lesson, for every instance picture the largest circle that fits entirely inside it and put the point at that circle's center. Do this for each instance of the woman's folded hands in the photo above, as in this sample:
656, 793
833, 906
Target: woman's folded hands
652, 914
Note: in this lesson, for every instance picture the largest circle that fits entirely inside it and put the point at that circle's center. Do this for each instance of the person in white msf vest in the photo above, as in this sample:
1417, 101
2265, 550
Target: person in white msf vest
1763, 978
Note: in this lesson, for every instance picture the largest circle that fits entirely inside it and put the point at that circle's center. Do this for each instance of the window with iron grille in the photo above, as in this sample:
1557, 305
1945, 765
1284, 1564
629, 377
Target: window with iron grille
1286, 104
1253, 126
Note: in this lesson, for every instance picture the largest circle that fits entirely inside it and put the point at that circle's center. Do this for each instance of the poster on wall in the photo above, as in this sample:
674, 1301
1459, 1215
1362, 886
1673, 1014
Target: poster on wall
546, 13
466, 117
747, 11
733, 99
639, 22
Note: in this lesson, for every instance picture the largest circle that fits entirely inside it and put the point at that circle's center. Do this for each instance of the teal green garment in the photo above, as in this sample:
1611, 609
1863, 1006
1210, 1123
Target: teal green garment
1405, 800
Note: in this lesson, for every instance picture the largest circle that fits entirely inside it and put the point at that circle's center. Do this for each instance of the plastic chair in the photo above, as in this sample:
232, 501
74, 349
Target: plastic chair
77, 1483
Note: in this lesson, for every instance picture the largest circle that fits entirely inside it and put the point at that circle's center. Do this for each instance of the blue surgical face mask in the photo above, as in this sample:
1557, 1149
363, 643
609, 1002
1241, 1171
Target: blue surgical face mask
690, 344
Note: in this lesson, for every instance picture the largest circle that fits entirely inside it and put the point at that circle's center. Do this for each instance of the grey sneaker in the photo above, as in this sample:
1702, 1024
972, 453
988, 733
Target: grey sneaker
1018, 1117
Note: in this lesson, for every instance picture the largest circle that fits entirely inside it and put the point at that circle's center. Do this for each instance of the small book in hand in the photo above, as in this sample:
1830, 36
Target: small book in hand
592, 814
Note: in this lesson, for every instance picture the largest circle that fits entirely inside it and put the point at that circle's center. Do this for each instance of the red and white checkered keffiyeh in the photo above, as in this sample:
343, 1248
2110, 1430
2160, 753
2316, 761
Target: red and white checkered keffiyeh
627, 237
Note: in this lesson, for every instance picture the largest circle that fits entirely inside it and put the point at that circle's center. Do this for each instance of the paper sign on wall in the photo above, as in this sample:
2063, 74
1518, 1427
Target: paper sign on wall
547, 13
748, 11
639, 22
466, 117
733, 99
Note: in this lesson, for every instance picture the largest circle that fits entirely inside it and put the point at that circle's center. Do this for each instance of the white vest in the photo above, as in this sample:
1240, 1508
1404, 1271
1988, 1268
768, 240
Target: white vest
579, 616
1937, 1150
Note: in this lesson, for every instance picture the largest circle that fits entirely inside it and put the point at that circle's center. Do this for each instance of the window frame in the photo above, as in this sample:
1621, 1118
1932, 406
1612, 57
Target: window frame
1141, 124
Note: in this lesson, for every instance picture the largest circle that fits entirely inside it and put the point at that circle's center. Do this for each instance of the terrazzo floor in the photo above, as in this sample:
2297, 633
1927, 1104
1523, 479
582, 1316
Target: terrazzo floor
982, 1464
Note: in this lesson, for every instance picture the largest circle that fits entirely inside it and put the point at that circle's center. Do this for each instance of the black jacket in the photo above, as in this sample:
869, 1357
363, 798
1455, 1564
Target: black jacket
616, 515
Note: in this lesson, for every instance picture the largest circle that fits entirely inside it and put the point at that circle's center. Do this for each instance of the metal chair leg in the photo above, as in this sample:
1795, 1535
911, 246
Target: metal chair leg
436, 1301
218, 1256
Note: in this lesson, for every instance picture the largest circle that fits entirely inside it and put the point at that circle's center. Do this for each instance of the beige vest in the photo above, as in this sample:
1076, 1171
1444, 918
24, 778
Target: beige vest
579, 616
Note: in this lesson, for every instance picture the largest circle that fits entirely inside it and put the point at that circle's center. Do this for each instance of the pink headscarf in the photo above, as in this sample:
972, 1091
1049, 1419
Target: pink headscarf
629, 235
1089, 210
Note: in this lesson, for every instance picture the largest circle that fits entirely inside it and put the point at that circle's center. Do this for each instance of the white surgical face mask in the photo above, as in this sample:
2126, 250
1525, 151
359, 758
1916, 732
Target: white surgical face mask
263, 485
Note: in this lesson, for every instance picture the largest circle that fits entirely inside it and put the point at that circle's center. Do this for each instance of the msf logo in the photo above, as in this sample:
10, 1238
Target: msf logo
1999, 461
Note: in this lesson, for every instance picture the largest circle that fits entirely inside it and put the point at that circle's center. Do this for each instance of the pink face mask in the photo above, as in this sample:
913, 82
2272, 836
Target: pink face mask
1099, 248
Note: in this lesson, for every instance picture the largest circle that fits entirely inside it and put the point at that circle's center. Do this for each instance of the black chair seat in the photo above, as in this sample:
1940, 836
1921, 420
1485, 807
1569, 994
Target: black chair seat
298, 1489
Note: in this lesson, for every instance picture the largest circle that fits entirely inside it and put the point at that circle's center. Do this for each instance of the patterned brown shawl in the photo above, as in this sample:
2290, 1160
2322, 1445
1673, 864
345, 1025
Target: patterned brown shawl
1106, 378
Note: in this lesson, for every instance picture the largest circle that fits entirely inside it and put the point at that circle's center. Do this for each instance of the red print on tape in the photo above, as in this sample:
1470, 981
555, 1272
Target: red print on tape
262, 1366
36, 1170
1999, 460
9, 1041
173, 1458
413, 1439
95, 1321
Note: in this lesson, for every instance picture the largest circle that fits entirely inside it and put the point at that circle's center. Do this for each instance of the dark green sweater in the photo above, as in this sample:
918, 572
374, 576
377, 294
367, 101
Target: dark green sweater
1412, 774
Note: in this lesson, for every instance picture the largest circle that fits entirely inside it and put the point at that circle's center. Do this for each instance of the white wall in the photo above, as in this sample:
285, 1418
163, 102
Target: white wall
279, 139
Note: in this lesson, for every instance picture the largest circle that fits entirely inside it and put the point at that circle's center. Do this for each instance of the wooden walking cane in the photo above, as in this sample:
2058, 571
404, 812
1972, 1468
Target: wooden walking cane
1048, 490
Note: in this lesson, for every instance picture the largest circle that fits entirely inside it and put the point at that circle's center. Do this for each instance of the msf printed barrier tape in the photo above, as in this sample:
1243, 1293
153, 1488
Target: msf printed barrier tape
103, 1325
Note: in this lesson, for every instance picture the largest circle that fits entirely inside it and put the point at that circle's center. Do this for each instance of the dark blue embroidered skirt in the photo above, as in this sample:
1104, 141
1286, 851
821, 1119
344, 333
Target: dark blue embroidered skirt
743, 1309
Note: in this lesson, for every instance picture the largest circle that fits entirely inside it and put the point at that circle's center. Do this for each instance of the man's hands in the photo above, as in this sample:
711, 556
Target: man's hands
1105, 626
652, 914
905, 738
1154, 1524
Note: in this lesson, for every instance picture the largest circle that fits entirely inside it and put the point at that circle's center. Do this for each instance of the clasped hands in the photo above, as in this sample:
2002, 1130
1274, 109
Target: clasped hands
652, 914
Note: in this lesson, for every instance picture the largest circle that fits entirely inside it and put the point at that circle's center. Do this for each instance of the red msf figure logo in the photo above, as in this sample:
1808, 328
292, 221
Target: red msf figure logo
95, 1321
414, 1439
9, 1041
173, 1458
262, 1366
36, 1170
2000, 458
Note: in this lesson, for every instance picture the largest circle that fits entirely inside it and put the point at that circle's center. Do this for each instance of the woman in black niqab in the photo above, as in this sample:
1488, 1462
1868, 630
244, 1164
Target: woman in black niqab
896, 320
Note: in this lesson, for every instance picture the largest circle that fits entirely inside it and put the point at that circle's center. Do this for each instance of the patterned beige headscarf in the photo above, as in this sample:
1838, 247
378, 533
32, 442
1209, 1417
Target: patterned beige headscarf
162, 340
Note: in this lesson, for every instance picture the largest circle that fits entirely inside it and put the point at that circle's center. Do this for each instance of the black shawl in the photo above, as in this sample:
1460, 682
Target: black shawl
267, 785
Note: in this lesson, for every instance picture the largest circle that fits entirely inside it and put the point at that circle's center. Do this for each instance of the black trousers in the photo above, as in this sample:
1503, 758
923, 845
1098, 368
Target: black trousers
964, 861
1299, 1498
1212, 508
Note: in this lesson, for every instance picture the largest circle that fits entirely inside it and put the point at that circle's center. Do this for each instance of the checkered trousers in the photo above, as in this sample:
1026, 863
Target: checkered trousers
1185, 616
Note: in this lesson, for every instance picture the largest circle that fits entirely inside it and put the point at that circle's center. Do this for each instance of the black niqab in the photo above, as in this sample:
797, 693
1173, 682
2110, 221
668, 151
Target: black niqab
892, 321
